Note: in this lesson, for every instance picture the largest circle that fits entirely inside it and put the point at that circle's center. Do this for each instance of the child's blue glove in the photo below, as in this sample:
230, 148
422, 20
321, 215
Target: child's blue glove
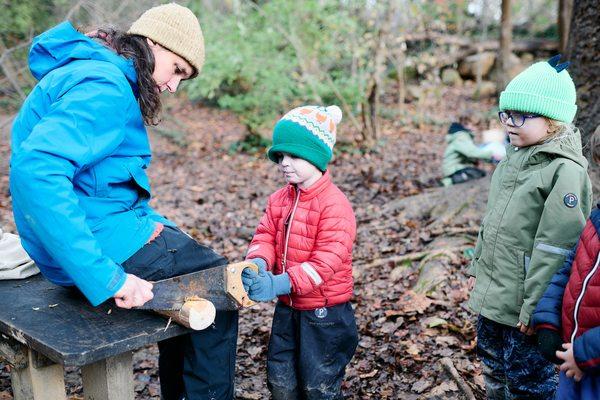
247, 277
265, 286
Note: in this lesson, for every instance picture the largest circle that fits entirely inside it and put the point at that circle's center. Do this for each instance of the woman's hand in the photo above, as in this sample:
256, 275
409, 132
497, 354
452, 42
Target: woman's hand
569, 366
134, 292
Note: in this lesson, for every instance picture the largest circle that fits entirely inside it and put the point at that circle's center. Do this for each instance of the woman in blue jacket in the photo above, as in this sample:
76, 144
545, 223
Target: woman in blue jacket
79, 186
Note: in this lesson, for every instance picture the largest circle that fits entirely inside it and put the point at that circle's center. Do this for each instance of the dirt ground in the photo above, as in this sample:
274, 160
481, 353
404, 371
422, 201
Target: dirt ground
218, 194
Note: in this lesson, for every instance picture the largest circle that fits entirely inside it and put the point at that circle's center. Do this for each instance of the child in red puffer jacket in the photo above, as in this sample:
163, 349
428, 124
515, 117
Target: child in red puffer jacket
566, 318
303, 248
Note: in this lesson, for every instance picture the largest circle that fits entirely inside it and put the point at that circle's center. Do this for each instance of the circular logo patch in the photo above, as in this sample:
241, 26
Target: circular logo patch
570, 200
321, 312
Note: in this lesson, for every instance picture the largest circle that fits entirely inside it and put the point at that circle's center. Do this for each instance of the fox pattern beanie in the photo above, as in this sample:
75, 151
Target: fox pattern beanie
307, 132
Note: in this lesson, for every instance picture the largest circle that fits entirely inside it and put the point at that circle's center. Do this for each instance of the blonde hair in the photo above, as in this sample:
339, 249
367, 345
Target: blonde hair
558, 129
594, 143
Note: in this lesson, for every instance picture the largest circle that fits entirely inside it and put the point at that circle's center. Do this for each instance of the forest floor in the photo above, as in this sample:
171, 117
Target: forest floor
218, 195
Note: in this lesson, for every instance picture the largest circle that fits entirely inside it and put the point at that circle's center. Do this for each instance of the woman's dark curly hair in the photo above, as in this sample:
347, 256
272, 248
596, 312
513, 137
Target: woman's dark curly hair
136, 48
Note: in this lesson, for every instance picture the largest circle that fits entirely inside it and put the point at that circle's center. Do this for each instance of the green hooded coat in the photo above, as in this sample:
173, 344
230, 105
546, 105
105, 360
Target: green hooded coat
540, 197
461, 152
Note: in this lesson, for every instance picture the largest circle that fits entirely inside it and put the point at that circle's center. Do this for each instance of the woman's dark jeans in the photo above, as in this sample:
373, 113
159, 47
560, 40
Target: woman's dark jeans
199, 365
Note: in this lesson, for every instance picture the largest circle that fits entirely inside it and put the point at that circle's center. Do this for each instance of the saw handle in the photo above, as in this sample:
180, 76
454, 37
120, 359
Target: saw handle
235, 287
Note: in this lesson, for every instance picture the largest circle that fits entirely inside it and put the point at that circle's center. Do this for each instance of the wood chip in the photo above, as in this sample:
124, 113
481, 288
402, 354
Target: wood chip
168, 324
369, 374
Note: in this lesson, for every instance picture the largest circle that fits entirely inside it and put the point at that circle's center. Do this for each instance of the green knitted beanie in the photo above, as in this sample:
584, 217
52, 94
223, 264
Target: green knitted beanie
307, 132
545, 88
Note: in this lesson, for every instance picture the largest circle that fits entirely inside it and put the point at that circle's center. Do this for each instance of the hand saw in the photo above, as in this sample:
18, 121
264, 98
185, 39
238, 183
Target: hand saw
221, 285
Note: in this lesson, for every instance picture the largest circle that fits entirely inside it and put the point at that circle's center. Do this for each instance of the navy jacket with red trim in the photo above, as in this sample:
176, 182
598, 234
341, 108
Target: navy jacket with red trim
571, 303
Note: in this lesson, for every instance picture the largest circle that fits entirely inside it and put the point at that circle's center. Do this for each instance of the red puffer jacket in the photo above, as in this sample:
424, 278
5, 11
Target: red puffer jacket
581, 299
571, 304
309, 234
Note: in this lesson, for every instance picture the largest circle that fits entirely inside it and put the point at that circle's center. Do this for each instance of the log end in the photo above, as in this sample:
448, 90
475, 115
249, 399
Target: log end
200, 314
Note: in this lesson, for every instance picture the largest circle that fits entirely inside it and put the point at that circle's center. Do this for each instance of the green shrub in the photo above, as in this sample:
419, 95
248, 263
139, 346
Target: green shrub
263, 60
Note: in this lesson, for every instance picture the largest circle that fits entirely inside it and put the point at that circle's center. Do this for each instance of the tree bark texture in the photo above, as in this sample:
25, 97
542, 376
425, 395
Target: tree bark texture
565, 11
584, 54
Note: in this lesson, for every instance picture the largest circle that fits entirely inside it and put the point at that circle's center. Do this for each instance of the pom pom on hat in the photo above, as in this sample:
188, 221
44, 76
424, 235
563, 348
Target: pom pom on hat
307, 132
335, 113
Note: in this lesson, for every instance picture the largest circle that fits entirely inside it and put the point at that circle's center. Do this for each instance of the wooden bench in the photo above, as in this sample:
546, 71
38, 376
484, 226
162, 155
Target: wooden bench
45, 328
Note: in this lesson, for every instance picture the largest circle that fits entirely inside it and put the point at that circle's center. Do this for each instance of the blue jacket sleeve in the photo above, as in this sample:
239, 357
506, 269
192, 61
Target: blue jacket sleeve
83, 125
586, 349
549, 309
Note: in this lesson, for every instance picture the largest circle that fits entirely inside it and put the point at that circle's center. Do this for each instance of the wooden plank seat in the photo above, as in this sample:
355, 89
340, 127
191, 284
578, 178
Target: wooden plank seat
46, 327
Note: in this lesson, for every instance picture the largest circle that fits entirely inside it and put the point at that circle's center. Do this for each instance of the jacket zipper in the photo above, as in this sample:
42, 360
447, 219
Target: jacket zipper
501, 216
580, 298
288, 230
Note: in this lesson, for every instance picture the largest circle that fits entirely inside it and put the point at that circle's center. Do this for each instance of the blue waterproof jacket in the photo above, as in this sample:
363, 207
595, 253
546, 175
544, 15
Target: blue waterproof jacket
78, 167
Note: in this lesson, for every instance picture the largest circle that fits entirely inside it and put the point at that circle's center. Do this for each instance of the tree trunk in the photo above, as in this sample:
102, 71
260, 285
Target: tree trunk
584, 54
370, 107
484, 32
505, 45
399, 60
565, 10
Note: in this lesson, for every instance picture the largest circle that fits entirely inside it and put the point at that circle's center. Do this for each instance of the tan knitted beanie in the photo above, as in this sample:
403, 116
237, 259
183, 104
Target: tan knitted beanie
176, 28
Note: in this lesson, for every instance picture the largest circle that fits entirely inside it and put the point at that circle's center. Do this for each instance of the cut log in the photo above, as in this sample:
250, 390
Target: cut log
467, 47
196, 314
529, 45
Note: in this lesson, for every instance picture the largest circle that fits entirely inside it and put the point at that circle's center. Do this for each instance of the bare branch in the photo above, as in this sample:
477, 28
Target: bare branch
10, 72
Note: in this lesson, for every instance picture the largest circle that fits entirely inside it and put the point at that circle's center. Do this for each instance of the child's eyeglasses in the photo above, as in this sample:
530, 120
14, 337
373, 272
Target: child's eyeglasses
517, 119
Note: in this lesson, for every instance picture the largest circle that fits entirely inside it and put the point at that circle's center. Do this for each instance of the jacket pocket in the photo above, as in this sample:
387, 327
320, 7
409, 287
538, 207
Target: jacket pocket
100, 185
505, 294
138, 174
523, 263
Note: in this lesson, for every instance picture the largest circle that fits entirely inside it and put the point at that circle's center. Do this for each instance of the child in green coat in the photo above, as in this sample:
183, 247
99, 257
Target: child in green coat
539, 199
462, 154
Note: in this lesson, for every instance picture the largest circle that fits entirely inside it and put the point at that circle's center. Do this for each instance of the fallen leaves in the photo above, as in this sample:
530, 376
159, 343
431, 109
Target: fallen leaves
412, 302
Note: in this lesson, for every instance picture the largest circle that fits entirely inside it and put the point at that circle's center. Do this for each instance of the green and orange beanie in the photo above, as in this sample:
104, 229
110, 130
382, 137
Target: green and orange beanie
307, 132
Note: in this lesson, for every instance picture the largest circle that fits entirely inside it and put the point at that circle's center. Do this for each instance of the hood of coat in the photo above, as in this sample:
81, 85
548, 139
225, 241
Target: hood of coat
64, 44
565, 146
460, 135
